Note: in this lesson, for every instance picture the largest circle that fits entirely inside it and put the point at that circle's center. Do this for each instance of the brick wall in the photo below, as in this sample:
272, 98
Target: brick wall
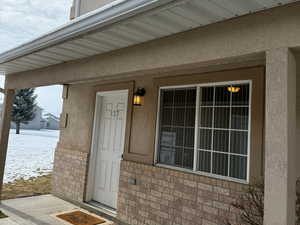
168, 197
69, 173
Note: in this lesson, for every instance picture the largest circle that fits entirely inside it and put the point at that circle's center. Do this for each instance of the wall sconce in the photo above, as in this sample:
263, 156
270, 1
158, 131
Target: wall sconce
138, 96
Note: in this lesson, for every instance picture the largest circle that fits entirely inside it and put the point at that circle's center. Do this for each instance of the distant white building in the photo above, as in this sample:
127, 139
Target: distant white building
40, 121
51, 121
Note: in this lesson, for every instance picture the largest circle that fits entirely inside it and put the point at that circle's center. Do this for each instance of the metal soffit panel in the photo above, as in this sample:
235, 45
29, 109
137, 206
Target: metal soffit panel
163, 20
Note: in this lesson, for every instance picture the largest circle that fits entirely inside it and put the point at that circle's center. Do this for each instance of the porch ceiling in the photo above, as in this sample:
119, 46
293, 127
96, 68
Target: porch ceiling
121, 24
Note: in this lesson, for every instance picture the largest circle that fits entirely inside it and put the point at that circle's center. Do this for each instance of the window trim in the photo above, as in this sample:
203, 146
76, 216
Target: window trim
194, 171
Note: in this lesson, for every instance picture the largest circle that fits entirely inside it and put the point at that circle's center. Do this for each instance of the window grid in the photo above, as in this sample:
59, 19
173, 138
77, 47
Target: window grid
184, 122
197, 115
225, 106
229, 135
229, 129
212, 132
226, 153
184, 147
229, 154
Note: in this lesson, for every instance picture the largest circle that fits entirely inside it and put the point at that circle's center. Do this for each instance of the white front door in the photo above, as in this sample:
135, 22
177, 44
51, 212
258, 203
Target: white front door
109, 137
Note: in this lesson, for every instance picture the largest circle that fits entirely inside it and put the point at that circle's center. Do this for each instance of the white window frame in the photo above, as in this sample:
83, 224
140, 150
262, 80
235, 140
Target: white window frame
198, 86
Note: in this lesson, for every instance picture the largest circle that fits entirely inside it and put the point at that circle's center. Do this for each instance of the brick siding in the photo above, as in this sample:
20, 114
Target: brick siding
69, 173
168, 197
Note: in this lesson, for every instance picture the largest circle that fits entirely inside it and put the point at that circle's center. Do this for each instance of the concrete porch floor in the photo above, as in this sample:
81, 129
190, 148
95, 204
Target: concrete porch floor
37, 210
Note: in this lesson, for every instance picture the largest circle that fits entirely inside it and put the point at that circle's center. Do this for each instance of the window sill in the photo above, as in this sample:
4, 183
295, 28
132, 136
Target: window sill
202, 174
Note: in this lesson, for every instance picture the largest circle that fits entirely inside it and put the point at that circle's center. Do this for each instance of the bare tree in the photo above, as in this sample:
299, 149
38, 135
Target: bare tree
251, 205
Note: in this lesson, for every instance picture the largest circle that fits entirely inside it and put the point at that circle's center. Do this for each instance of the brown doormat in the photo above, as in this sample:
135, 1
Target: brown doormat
80, 218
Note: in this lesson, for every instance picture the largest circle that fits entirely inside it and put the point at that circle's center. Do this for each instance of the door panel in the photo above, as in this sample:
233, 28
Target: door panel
102, 168
109, 150
115, 172
105, 125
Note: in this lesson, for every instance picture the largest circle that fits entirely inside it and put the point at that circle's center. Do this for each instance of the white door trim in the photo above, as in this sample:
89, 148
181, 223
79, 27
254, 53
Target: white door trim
95, 136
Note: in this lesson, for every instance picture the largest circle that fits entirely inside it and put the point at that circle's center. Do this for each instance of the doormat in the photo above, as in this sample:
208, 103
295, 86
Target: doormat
80, 218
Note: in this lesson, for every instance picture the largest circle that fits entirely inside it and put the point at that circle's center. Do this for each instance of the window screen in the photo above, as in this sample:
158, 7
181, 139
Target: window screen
221, 127
223, 130
177, 127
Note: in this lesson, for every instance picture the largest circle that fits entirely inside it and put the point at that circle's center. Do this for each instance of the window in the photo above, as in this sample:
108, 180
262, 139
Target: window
177, 127
218, 116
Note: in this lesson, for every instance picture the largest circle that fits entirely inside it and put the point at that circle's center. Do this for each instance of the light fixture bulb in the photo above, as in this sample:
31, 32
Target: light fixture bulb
137, 100
233, 89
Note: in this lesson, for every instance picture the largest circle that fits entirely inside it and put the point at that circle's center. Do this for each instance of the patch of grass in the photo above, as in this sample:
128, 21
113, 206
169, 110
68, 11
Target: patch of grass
2, 215
24, 188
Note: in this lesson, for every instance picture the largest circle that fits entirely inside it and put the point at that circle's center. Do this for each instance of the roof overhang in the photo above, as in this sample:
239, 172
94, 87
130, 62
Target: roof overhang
121, 24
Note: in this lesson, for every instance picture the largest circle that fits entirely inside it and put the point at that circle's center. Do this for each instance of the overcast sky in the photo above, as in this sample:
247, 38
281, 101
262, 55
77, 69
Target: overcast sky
23, 20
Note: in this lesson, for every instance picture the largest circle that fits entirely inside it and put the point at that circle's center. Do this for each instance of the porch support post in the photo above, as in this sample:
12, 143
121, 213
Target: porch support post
280, 138
4, 130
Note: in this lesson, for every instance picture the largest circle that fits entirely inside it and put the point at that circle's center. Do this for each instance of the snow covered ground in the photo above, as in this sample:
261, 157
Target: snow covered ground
30, 153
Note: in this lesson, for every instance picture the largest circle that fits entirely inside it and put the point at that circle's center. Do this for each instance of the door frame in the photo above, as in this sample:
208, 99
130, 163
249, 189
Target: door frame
95, 136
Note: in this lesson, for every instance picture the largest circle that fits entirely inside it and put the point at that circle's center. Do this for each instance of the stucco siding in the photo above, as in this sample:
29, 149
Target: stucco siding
79, 105
142, 129
90, 5
72, 154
